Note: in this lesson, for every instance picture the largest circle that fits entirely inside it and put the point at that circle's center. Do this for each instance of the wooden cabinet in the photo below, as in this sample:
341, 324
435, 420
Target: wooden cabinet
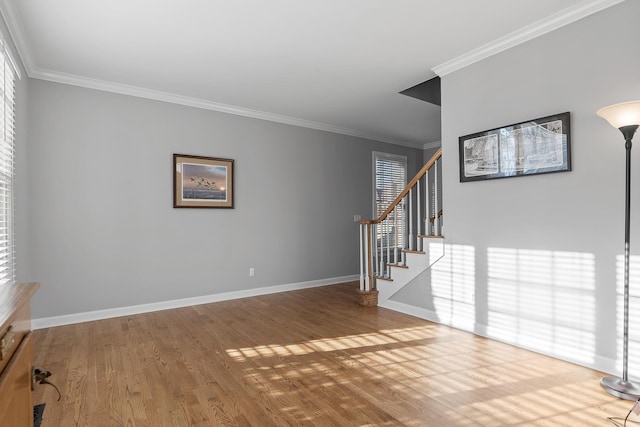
16, 355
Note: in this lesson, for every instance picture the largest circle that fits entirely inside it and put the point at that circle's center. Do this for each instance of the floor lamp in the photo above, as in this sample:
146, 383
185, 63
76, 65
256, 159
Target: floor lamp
626, 117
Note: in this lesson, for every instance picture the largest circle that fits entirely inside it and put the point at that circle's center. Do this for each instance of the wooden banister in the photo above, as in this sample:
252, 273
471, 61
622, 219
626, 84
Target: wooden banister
427, 166
385, 243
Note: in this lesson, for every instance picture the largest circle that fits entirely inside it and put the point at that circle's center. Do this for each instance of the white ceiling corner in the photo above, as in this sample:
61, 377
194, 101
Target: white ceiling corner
16, 32
430, 145
536, 29
343, 81
204, 104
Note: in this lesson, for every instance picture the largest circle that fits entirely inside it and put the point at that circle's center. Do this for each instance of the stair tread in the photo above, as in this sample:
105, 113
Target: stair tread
388, 279
430, 236
398, 265
411, 251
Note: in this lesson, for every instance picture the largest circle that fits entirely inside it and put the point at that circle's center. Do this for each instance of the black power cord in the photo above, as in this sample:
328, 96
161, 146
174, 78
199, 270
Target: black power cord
614, 420
40, 377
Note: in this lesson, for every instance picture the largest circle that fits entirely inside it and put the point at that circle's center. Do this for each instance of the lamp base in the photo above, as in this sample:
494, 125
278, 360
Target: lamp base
618, 387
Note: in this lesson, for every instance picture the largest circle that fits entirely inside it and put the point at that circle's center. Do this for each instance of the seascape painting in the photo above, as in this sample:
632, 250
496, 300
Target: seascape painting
204, 182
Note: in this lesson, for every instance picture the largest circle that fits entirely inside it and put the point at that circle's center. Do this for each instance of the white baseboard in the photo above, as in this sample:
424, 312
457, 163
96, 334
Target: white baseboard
600, 363
412, 310
68, 319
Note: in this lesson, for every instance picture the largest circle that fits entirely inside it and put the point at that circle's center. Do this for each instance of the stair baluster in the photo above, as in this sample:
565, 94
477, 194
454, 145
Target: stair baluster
406, 242
427, 206
386, 271
395, 235
419, 209
361, 245
436, 222
377, 235
410, 219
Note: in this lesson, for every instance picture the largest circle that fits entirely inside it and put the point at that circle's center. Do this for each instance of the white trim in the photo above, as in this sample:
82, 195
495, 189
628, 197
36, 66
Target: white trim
156, 95
14, 24
10, 58
68, 319
546, 25
600, 363
411, 310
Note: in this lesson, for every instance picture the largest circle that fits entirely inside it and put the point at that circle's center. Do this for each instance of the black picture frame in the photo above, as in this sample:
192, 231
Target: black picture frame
531, 147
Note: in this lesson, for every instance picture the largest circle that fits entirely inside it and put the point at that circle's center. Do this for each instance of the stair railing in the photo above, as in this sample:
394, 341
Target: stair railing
383, 243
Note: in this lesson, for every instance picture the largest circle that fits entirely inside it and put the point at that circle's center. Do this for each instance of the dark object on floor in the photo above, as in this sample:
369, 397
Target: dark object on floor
38, 410
41, 376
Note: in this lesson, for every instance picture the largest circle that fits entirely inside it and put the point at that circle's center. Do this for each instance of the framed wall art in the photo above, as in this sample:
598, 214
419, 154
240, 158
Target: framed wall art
202, 182
533, 147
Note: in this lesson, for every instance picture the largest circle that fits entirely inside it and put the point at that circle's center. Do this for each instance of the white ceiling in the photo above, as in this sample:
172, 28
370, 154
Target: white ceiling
336, 65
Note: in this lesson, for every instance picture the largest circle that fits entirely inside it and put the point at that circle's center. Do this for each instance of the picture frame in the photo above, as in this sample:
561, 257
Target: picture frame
531, 147
202, 182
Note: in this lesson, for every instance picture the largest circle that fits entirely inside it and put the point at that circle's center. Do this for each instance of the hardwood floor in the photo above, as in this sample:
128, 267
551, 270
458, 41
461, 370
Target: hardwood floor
309, 357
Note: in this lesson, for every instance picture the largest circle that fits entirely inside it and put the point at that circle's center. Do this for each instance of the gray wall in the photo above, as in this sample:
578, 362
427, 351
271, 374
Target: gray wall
103, 233
532, 260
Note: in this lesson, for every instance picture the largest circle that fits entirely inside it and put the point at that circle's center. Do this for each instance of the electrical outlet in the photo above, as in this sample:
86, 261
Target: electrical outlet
252, 272
356, 218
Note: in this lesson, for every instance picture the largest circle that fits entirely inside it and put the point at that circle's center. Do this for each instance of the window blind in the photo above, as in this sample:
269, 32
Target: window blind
390, 179
7, 167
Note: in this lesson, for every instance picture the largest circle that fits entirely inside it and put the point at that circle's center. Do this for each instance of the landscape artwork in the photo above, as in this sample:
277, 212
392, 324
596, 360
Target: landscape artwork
202, 182
481, 155
533, 147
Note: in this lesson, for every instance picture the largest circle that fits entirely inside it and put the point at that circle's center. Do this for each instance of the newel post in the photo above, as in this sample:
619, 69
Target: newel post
368, 296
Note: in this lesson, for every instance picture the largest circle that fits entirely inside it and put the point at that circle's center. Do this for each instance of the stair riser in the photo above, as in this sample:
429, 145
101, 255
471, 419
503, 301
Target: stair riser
417, 264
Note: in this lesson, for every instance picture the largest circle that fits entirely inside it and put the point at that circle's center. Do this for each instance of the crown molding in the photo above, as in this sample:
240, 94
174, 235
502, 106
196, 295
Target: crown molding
553, 22
430, 145
141, 92
16, 31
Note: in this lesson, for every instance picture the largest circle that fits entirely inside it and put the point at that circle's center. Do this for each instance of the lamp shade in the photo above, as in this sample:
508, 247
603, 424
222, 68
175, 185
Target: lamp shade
623, 114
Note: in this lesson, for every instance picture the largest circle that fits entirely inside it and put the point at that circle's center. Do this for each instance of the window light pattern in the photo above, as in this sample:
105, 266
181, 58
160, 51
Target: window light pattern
543, 300
453, 285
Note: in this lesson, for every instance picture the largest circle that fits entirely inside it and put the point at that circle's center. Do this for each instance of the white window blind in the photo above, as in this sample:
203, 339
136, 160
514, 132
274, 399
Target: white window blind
390, 178
7, 167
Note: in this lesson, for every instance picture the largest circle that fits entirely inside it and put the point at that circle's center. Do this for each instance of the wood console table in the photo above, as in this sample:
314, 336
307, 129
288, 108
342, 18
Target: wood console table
16, 355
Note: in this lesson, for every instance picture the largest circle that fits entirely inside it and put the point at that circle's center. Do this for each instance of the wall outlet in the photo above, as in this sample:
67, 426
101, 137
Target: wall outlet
252, 272
356, 218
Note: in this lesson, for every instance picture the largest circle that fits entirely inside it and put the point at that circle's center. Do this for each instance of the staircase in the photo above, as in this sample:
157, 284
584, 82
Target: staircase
390, 259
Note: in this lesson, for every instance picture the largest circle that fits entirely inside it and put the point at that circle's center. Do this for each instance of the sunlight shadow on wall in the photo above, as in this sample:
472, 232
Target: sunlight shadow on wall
543, 300
634, 313
453, 285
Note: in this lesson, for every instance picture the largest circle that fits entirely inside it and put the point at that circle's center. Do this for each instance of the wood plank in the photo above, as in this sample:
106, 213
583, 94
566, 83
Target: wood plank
309, 357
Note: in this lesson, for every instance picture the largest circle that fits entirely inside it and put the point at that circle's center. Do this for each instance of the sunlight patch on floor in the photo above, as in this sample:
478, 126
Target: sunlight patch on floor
381, 338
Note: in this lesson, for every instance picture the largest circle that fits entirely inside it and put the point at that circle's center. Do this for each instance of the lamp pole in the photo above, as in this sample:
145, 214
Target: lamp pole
625, 117
628, 132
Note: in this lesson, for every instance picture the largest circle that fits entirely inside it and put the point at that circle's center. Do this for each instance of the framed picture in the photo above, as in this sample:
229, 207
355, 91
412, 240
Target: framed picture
536, 146
202, 182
